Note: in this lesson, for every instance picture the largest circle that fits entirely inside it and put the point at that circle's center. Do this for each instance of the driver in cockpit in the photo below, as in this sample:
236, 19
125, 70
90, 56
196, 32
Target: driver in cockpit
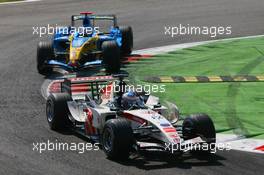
131, 100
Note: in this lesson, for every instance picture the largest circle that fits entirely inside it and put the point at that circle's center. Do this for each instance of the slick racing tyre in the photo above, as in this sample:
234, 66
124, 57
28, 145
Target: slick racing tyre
127, 40
111, 56
57, 111
44, 52
117, 139
199, 125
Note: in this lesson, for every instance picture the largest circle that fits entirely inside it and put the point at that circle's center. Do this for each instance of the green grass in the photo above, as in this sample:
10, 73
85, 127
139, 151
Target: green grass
231, 105
8, 0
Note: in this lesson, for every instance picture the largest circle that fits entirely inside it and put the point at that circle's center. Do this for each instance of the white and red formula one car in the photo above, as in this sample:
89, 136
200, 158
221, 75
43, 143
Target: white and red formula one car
124, 121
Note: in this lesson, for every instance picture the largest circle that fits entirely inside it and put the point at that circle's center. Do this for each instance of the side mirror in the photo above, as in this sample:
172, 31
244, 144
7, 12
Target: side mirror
172, 112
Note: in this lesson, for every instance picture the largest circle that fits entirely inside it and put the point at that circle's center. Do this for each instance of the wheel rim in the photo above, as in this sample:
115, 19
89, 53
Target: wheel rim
107, 140
49, 112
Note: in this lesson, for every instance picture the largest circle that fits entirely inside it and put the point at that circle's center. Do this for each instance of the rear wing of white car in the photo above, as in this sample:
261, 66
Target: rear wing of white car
84, 85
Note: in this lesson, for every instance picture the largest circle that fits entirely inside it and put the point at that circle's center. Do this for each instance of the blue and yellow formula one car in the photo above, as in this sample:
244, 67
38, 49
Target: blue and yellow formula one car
91, 43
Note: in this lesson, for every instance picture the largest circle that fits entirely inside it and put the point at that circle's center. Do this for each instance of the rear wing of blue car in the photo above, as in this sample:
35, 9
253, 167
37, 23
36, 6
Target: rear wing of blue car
93, 17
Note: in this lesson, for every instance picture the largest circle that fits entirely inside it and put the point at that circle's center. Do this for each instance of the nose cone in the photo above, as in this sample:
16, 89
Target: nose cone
73, 63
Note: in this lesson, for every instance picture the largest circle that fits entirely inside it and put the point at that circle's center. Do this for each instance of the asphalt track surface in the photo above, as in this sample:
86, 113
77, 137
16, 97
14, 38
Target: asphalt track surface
22, 119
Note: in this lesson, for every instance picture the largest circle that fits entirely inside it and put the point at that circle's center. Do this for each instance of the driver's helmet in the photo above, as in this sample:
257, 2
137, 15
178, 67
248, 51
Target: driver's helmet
131, 99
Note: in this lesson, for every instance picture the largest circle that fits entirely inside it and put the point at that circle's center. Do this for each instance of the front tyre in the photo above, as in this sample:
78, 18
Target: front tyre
200, 125
45, 52
57, 111
127, 39
111, 56
117, 139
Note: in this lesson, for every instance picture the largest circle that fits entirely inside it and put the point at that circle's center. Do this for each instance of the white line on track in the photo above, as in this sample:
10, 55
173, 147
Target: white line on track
18, 2
174, 47
240, 143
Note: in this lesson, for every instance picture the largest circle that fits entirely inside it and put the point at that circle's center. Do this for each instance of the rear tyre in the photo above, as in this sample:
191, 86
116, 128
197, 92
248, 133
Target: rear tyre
117, 139
57, 111
127, 40
200, 125
111, 56
44, 52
